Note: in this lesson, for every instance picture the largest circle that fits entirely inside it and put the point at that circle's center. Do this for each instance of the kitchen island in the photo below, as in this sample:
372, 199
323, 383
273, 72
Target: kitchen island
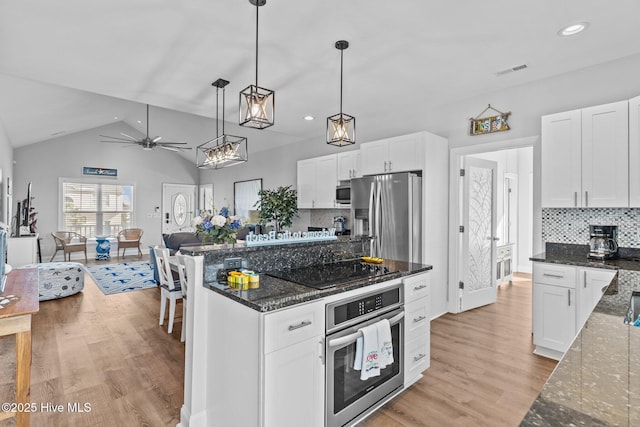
257, 357
597, 382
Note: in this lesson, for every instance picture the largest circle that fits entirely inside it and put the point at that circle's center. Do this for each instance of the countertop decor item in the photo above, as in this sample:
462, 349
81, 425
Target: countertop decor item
257, 104
278, 206
223, 150
217, 227
341, 128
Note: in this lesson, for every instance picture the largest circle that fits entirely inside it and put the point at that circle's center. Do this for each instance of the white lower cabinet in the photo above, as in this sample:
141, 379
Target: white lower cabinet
294, 385
417, 327
293, 367
592, 282
563, 298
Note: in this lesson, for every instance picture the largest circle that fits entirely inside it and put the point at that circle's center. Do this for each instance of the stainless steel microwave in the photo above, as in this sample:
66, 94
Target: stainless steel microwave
343, 194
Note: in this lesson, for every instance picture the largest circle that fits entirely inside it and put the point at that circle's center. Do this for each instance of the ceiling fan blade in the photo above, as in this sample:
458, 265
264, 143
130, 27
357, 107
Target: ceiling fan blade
156, 139
168, 148
128, 136
121, 142
115, 138
173, 143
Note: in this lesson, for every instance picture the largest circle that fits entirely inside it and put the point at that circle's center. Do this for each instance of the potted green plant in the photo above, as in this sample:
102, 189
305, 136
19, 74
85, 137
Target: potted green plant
277, 206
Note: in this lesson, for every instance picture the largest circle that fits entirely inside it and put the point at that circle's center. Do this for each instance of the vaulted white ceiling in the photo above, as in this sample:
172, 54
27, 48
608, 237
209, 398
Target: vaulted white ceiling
74, 65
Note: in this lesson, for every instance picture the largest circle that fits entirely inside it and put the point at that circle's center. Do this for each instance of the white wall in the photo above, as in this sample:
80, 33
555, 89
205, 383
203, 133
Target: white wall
43, 163
6, 167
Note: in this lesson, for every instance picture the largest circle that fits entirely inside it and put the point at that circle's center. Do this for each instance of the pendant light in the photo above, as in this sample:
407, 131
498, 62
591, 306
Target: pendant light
341, 128
257, 103
223, 150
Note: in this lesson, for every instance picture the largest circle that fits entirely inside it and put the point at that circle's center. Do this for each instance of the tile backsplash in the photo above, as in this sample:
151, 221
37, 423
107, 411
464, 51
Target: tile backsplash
571, 225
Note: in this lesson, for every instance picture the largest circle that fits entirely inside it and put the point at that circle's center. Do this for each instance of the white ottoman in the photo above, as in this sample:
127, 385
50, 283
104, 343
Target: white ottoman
59, 279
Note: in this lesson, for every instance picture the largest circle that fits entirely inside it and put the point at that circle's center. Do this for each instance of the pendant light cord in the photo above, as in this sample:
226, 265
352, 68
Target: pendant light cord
217, 120
147, 120
257, 8
222, 111
341, 56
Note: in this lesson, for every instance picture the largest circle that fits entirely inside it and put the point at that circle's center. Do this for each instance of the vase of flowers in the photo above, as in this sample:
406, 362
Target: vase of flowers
217, 227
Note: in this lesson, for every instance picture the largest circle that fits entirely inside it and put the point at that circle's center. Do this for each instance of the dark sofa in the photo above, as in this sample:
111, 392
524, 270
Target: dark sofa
175, 241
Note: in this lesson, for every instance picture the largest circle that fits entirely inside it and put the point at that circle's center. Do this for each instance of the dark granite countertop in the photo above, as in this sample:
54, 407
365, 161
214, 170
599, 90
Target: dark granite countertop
274, 294
597, 382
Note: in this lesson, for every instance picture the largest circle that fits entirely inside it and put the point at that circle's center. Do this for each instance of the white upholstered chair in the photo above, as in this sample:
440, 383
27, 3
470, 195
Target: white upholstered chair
182, 271
169, 289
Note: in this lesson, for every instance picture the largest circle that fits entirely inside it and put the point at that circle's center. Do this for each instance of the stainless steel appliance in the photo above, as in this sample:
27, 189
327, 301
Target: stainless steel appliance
329, 275
389, 207
603, 241
343, 193
347, 396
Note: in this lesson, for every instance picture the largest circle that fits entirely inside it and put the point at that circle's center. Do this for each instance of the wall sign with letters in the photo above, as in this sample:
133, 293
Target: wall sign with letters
86, 170
484, 125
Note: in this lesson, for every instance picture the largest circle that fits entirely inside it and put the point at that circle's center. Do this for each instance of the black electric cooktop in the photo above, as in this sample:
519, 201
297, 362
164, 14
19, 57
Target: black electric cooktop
324, 276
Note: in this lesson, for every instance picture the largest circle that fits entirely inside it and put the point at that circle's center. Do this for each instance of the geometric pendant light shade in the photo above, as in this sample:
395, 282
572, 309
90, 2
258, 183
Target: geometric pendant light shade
341, 128
257, 104
223, 150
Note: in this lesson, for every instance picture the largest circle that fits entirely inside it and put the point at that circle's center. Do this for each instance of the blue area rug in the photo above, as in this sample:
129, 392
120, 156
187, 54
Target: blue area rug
122, 277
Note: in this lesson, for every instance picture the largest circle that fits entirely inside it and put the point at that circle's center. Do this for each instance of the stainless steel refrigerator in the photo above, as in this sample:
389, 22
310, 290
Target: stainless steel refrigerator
389, 208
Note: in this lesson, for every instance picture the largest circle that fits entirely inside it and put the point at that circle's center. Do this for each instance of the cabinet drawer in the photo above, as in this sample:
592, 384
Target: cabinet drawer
554, 274
416, 319
416, 360
294, 325
416, 287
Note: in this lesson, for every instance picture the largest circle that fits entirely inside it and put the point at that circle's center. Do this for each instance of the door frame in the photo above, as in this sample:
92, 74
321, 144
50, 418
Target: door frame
167, 209
456, 155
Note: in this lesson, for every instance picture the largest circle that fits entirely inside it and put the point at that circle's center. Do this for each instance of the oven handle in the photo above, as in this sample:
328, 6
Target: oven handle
351, 338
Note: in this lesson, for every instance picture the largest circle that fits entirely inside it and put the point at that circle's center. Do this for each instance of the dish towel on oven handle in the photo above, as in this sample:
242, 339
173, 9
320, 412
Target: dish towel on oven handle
385, 343
366, 359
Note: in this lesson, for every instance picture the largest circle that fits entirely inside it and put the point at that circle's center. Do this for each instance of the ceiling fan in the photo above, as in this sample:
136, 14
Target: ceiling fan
146, 142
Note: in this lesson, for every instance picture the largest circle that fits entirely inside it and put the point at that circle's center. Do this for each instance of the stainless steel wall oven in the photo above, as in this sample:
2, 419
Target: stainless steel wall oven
347, 396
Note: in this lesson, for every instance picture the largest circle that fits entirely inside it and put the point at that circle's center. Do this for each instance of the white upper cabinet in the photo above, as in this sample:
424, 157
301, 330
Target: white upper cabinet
397, 154
584, 157
605, 153
561, 159
634, 152
348, 165
317, 180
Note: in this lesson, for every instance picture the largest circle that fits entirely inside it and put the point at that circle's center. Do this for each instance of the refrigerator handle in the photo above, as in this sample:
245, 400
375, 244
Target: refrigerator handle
371, 218
378, 220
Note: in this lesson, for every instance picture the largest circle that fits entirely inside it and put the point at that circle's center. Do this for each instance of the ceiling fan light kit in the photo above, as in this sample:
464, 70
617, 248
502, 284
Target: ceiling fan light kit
223, 150
146, 143
341, 127
257, 104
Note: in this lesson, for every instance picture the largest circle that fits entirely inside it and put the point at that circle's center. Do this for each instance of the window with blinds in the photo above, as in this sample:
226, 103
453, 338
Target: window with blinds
96, 209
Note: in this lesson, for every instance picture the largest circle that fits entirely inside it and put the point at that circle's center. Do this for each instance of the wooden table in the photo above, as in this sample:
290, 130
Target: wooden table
16, 319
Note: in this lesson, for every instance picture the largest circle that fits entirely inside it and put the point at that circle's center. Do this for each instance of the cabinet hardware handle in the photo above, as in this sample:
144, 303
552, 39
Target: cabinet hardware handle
385, 166
585, 280
559, 276
389, 165
569, 296
586, 199
419, 319
417, 288
418, 357
575, 199
300, 325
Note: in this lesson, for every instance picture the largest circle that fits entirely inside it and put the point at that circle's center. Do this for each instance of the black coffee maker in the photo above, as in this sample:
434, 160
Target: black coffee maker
603, 241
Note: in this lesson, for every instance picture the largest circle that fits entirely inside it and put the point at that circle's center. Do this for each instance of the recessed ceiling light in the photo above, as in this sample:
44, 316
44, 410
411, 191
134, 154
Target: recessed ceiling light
115, 118
573, 29
139, 121
309, 118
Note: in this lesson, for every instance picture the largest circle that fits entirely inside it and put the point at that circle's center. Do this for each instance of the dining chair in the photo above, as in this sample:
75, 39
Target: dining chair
170, 289
129, 238
182, 272
68, 241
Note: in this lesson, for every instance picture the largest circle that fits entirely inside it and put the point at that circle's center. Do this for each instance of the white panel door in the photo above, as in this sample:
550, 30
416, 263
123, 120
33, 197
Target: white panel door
405, 153
561, 161
374, 157
478, 246
178, 207
306, 183
605, 151
554, 316
591, 285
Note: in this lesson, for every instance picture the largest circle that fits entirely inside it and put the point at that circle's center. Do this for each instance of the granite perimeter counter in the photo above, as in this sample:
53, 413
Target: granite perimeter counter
597, 382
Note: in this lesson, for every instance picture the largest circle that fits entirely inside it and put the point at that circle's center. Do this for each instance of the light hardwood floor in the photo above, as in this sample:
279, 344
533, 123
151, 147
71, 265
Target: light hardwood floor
483, 371
110, 352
